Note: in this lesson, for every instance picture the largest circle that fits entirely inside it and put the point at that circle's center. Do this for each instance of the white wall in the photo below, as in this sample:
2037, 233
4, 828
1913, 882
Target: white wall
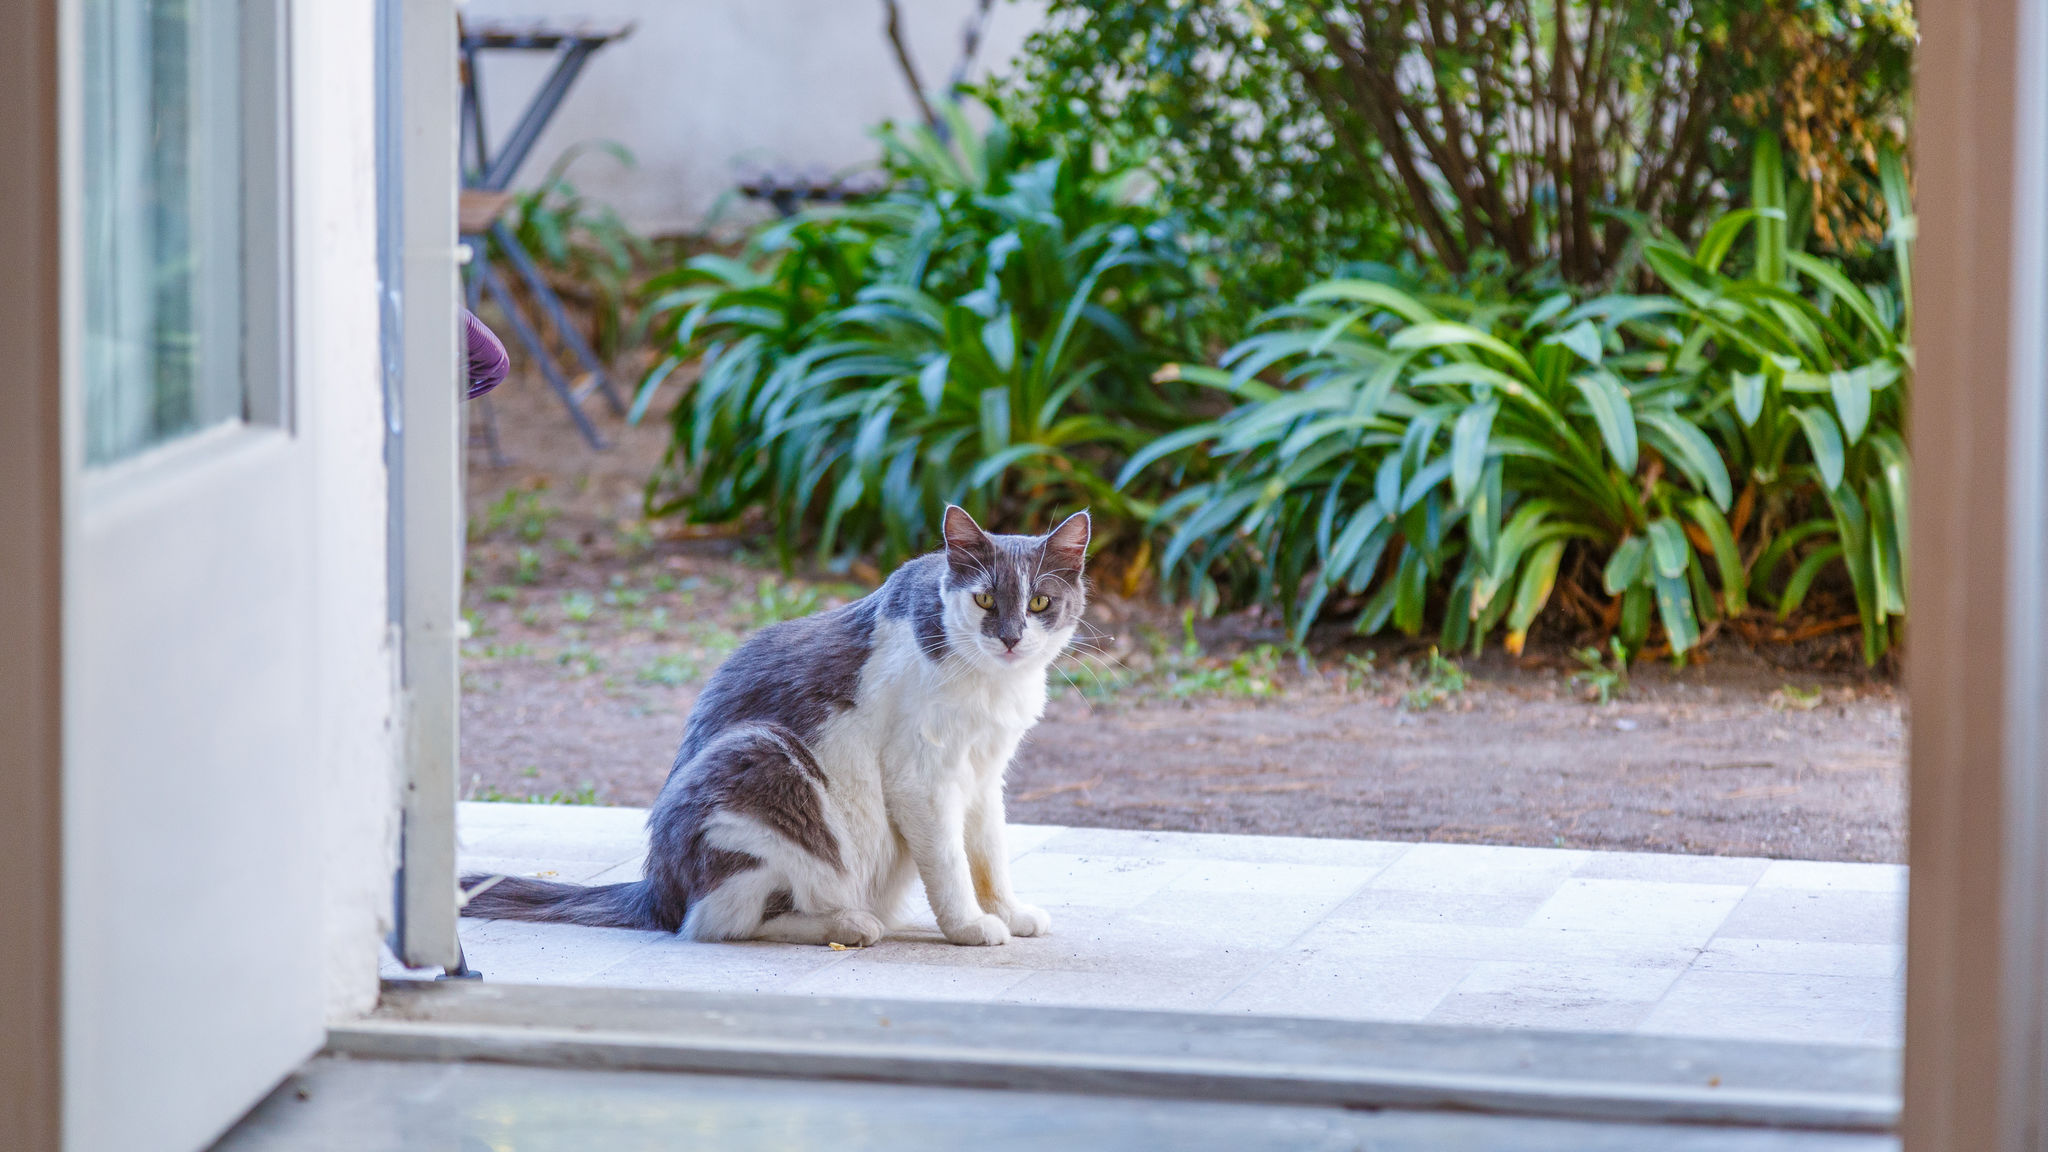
341, 415
705, 90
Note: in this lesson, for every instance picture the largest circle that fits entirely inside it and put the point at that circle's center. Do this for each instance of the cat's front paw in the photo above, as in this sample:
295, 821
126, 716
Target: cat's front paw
981, 930
854, 929
1025, 920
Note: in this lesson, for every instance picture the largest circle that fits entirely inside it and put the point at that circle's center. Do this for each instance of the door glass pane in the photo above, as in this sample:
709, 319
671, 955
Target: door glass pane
162, 221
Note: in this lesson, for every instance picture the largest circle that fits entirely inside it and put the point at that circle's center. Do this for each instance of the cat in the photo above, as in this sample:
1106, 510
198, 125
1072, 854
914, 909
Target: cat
833, 754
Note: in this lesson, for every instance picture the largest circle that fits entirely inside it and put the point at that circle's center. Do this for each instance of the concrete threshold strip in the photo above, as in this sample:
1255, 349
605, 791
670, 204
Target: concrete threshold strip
1266, 1060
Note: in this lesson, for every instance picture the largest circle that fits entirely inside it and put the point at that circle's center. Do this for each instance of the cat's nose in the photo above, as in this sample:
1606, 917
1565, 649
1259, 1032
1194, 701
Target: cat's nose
1009, 642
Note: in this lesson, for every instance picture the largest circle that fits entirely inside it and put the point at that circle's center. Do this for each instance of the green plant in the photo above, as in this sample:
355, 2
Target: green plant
585, 794
1443, 442
579, 659
671, 670
1441, 679
1810, 371
1254, 673
982, 334
1360, 671
527, 568
1604, 682
590, 250
521, 509
776, 600
578, 607
1464, 454
1299, 135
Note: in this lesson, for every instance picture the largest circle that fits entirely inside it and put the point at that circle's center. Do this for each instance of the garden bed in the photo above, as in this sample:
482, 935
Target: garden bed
592, 631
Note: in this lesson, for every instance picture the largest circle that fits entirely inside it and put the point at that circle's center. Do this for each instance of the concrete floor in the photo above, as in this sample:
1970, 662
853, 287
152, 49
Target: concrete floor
1728, 947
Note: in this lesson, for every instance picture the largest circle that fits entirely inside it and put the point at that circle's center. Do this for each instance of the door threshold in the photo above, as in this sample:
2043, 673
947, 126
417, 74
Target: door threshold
1161, 1055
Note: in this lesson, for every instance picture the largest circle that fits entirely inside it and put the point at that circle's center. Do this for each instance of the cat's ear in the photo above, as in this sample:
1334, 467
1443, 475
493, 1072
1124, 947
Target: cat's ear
1066, 547
962, 532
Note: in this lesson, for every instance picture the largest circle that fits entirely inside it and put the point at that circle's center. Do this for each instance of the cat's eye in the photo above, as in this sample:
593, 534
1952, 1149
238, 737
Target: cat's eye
985, 601
1040, 603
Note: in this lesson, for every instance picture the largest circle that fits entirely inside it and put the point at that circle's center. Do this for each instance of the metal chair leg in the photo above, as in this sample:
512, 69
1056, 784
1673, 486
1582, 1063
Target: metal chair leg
530, 272
538, 349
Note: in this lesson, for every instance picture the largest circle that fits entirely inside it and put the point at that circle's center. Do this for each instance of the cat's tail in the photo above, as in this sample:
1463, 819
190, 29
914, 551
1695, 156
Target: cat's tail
630, 905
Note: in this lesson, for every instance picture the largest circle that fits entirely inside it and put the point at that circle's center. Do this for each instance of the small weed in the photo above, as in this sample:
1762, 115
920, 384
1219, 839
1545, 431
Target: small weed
528, 570
489, 793
501, 594
775, 601
531, 771
580, 660
578, 606
1254, 673
569, 546
713, 639
473, 624
635, 537
625, 597
1360, 672
1095, 679
499, 652
654, 620
530, 616
522, 511
1603, 682
672, 670
664, 582
1441, 680
1791, 698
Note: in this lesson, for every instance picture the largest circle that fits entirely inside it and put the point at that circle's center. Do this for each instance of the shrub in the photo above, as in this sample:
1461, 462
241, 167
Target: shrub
982, 334
1302, 134
1671, 452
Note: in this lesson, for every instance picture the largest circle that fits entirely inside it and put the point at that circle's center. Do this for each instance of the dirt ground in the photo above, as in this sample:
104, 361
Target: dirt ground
591, 631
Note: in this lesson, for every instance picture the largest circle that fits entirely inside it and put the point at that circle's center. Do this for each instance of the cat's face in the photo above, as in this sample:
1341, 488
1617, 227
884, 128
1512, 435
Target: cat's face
1013, 602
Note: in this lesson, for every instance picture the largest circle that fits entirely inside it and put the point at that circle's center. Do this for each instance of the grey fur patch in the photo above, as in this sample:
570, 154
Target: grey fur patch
780, 902
757, 770
915, 593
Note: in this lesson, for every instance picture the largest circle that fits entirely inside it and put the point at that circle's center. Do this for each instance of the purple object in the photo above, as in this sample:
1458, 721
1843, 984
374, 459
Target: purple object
488, 363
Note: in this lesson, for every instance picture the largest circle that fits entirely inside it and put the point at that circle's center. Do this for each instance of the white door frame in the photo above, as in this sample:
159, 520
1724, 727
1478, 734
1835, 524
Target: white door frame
430, 491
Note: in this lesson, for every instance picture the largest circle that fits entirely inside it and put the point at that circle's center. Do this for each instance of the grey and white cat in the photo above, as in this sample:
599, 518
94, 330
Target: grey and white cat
832, 755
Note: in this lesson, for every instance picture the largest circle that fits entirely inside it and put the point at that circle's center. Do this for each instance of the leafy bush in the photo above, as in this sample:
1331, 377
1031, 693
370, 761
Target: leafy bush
1302, 134
982, 334
1469, 454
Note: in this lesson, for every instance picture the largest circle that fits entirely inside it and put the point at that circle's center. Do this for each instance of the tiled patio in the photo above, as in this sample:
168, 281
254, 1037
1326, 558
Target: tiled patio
1345, 929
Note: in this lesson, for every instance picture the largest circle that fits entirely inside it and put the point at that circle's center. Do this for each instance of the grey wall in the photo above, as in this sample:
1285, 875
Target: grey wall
704, 90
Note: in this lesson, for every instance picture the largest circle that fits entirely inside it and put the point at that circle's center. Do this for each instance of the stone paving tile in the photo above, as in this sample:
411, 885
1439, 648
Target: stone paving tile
1803, 957
1482, 869
1334, 986
517, 953
1743, 870
542, 867
1834, 917
1685, 913
1376, 904
1191, 988
1781, 1006
866, 975
741, 967
1516, 937
1828, 875
1517, 1010
1050, 878
1024, 838
1373, 854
